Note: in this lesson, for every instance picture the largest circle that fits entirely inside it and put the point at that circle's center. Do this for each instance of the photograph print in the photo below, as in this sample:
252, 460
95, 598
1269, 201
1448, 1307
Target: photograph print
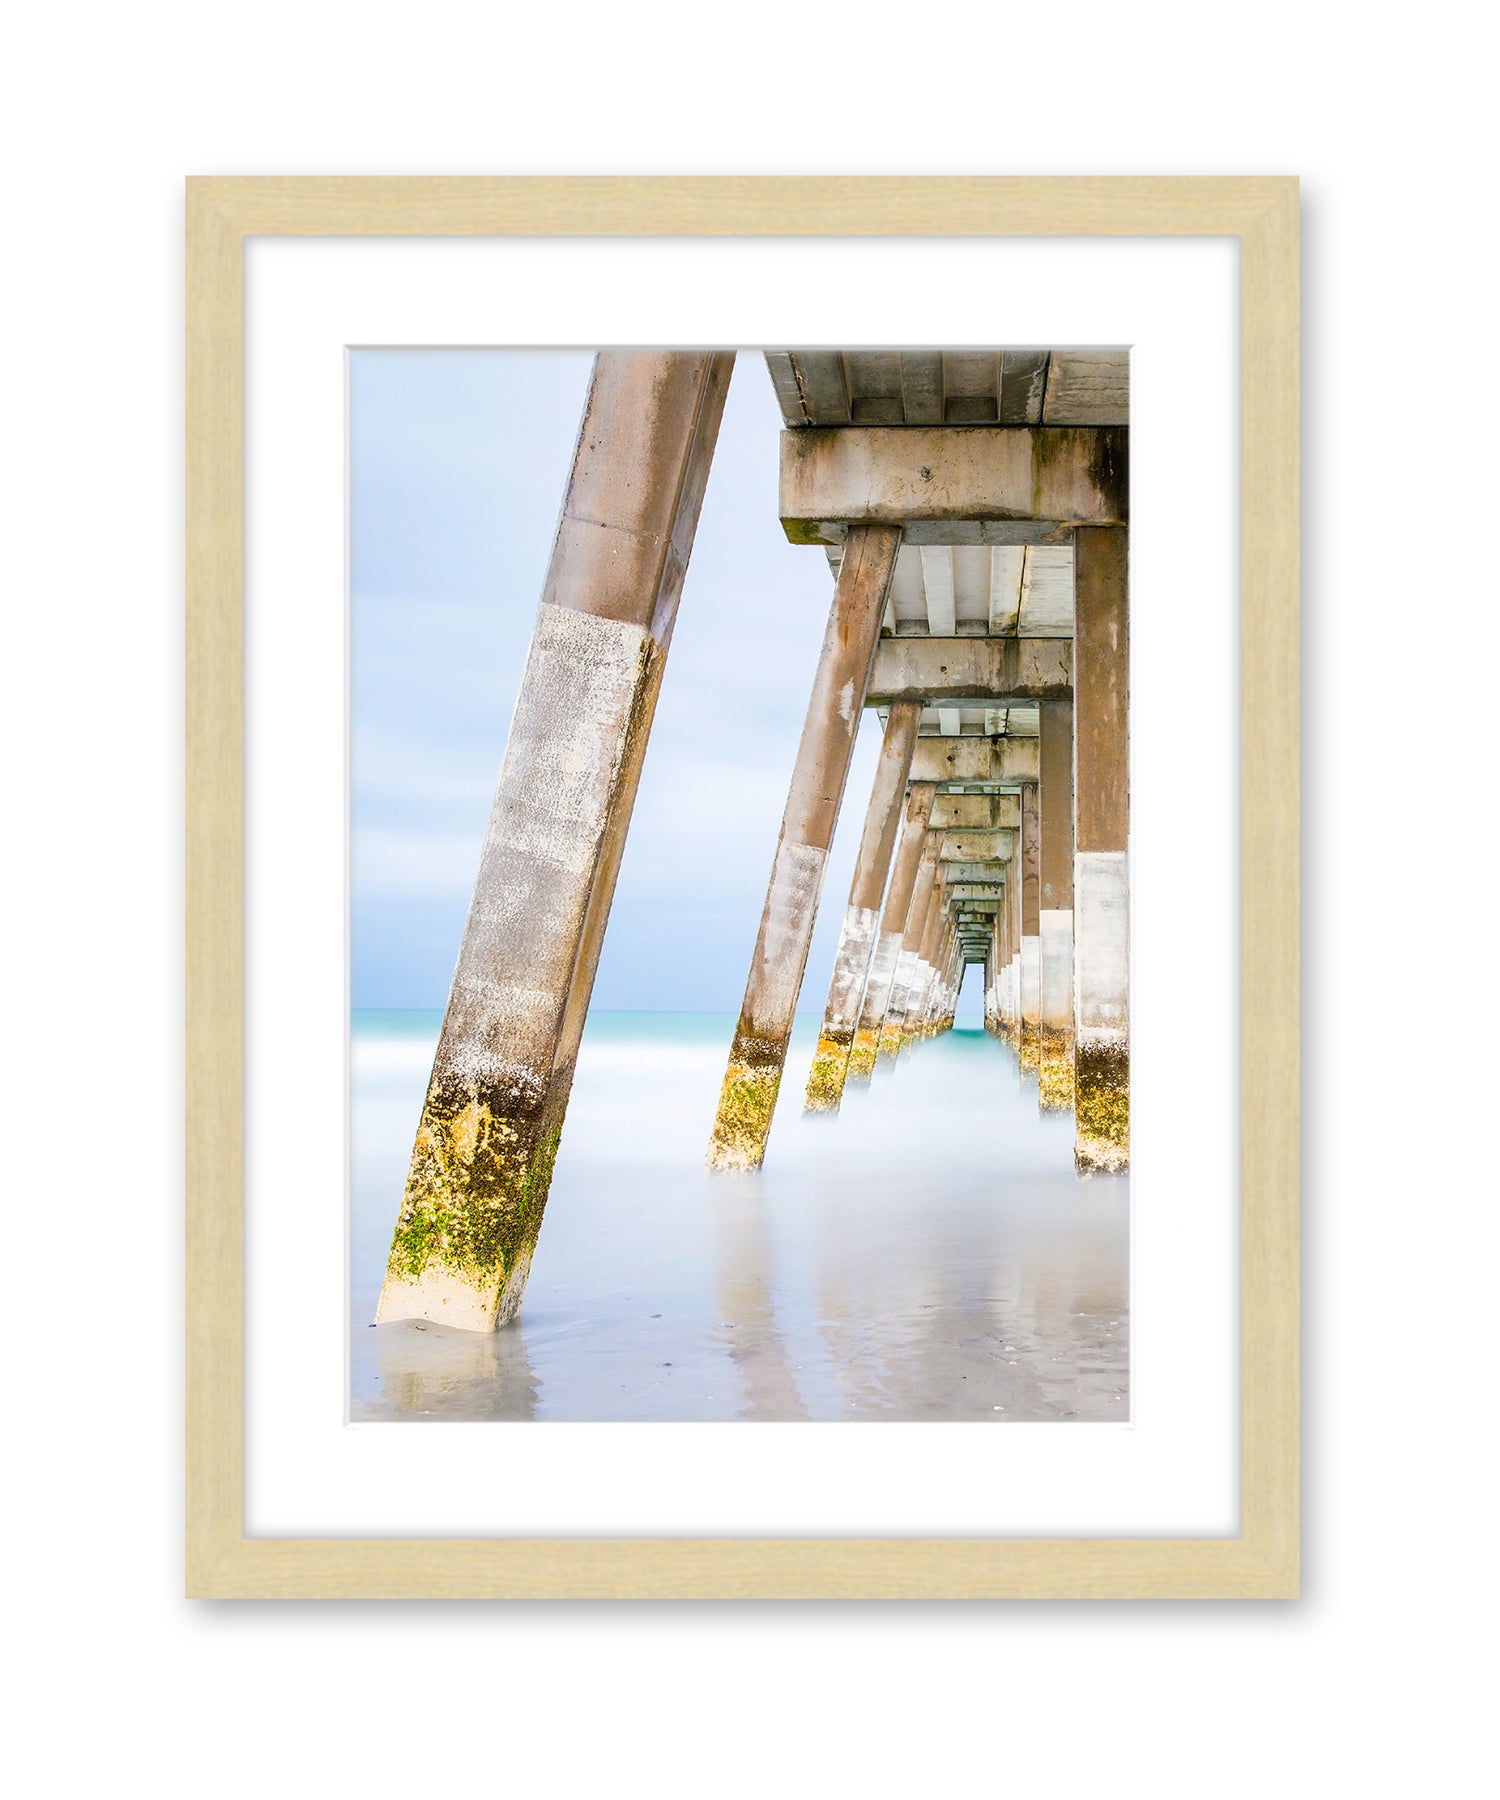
739, 901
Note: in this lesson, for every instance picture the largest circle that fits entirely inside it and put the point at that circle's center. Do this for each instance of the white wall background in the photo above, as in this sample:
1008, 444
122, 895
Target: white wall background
1372, 1683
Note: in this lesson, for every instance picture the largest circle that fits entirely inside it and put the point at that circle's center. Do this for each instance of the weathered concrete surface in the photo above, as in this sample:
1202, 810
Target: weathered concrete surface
999, 670
1055, 1067
919, 802
1055, 1052
1003, 759
977, 812
914, 1026
1102, 1022
851, 963
976, 846
482, 1161
952, 476
1030, 1046
758, 1053
1102, 691
968, 873
1101, 895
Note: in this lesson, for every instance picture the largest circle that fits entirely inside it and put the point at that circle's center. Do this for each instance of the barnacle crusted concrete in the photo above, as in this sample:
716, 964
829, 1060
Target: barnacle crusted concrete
1101, 1108
825, 1080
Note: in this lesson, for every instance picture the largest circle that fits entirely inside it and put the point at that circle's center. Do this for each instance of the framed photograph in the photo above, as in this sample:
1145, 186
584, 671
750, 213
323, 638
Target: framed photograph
742, 855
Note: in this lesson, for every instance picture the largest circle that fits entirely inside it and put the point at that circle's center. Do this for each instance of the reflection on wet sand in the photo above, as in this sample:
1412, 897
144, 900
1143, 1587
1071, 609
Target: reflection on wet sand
928, 1254
747, 1326
429, 1371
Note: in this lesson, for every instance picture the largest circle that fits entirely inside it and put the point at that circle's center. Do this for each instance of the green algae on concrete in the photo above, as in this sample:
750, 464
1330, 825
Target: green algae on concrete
472, 1207
861, 1057
825, 1081
747, 1102
1055, 1072
1102, 1109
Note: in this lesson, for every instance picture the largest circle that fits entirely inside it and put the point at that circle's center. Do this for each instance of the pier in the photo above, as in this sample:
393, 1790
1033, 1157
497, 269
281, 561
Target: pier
973, 511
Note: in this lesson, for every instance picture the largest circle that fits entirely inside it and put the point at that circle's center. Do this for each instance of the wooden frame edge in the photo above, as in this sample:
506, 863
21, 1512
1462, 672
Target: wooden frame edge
1263, 1562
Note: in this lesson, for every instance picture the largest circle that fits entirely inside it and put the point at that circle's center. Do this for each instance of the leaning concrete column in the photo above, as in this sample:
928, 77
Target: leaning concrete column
991, 1020
938, 992
953, 975
851, 964
1013, 948
758, 1053
937, 1000
1055, 1069
1031, 924
919, 998
1101, 893
891, 1030
490, 1125
1002, 955
986, 993
892, 924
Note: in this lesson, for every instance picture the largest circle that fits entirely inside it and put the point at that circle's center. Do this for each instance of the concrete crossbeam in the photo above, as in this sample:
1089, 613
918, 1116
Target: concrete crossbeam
976, 846
998, 760
1009, 478
1001, 670
969, 872
976, 812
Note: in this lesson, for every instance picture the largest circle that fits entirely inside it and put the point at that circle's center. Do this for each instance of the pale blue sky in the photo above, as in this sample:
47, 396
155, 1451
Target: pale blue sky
459, 458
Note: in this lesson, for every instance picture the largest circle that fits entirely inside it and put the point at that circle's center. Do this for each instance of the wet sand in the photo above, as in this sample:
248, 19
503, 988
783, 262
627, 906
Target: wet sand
926, 1254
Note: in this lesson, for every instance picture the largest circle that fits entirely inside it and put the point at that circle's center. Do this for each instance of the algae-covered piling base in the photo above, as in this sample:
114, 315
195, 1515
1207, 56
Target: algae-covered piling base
747, 1102
825, 1082
1101, 1107
1055, 1072
472, 1206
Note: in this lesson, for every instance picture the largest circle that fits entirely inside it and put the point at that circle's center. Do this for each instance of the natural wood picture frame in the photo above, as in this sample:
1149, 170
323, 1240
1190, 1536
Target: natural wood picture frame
1262, 1561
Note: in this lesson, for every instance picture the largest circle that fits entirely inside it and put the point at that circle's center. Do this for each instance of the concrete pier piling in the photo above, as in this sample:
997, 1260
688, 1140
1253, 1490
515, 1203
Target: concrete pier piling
851, 966
758, 1053
1031, 928
877, 995
893, 1026
1101, 897
1055, 1067
493, 1114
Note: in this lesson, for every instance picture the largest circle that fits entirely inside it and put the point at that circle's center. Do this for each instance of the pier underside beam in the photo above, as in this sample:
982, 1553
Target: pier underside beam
990, 484
991, 761
758, 1053
998, 671
1101, 916
851, 964
493, 1114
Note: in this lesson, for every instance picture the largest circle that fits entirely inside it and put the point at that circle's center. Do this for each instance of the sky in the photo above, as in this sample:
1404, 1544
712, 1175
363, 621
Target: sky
458, 461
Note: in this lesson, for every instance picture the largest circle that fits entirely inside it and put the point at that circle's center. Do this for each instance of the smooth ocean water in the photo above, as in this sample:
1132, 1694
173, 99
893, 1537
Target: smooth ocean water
927, 1254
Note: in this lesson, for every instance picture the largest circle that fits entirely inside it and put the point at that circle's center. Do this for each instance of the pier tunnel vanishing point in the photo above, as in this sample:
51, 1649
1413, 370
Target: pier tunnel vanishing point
973, 509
